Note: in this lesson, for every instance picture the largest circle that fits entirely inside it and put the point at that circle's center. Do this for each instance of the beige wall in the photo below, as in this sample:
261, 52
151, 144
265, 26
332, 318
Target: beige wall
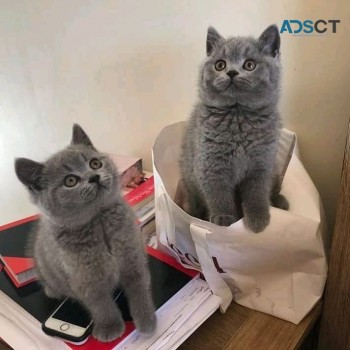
124, 69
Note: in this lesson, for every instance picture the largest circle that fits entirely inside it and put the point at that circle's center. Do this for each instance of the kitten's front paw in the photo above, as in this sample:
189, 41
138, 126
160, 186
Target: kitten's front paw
222, 220
106, 332
147, 325
257, 221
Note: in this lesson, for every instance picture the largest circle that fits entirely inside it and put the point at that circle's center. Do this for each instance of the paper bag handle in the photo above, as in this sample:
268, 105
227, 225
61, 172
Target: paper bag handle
167, 221
212, 276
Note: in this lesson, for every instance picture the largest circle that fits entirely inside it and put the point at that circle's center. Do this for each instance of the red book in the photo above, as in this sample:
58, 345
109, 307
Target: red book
130, 168
141, 195
20, 270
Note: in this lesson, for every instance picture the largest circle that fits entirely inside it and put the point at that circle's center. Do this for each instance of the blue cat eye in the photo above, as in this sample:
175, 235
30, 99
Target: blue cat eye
71, 180
249, 65
220, 65
95, 164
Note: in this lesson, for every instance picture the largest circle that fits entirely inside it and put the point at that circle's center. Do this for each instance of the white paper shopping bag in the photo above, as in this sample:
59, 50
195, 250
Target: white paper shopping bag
280, 271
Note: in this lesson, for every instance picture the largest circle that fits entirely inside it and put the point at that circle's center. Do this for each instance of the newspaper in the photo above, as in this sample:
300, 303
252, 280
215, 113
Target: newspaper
177, 319
21, 330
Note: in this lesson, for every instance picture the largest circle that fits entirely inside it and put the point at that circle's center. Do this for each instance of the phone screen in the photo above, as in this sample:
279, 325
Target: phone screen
71, 311
74, 313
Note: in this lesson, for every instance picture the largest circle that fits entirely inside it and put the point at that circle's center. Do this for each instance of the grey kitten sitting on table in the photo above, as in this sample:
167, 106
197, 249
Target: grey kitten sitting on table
86, 243
228, 161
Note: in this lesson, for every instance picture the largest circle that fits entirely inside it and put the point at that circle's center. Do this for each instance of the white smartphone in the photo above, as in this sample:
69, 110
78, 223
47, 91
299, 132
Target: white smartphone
70, 322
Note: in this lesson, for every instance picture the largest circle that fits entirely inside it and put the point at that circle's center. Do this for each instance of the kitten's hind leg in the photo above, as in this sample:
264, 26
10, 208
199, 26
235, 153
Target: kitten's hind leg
280, 201
197, 207
277, 199
51, 293
193, 202
52, 287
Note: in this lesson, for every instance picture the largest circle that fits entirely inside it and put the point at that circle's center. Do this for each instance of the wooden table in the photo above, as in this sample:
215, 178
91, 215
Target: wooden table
243, 329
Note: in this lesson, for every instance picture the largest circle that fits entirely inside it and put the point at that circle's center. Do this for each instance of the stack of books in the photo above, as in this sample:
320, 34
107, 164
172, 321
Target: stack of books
138, 191
182, 299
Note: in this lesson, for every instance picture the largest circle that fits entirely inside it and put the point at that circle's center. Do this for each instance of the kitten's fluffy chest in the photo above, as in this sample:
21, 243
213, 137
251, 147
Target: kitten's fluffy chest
99, 241
89, 252
235, 132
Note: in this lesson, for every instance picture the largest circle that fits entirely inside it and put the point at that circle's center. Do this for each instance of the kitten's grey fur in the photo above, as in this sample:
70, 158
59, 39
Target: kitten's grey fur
229, 147
86, 243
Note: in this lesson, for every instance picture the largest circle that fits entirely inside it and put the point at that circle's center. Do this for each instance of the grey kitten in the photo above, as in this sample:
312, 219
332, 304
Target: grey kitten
86, 244
229, 147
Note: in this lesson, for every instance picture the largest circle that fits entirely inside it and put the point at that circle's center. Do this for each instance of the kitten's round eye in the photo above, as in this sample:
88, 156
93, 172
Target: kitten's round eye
95, 164
71, 180
220, 65
249, 65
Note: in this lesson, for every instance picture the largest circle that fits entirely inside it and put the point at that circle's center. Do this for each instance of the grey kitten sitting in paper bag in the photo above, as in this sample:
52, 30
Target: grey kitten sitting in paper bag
228, 162
86, 243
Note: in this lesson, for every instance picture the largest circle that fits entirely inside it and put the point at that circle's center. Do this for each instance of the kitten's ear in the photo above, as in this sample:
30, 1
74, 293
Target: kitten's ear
213, 39
269, 41
79, 137
29, 173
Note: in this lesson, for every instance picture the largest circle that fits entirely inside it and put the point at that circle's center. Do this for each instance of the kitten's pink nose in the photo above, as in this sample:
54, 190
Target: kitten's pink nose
94, 178
232, 73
